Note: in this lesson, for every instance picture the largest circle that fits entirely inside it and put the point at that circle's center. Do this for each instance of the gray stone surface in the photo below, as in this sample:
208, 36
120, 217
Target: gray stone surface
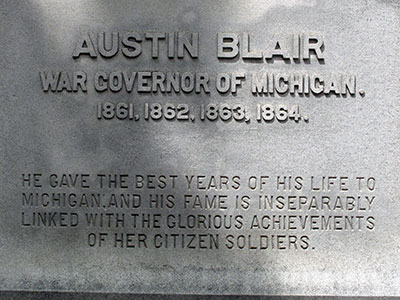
346, 144
119, 296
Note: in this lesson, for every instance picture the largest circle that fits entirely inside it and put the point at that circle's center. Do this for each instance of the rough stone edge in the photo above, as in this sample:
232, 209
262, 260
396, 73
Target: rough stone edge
31, 295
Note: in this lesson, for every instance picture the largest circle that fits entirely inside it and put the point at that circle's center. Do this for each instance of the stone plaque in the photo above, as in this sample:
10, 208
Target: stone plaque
200, 147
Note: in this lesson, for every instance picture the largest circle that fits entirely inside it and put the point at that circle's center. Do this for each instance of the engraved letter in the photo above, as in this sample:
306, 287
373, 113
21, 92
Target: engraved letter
227, 49
103, 39
191, 47
84, 46
130, 41
315, 43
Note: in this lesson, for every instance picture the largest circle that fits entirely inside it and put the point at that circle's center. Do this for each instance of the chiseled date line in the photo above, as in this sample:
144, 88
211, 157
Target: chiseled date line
204, 112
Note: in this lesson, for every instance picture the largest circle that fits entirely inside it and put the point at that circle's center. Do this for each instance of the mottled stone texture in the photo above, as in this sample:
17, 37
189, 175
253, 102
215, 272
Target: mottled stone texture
45, 133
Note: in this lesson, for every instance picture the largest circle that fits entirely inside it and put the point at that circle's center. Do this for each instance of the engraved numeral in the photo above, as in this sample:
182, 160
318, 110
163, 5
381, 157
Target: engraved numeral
282, 113
120, 111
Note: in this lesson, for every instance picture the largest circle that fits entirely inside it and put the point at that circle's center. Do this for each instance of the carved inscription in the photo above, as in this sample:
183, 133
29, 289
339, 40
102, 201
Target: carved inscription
193, 211
293, 48
197, 211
